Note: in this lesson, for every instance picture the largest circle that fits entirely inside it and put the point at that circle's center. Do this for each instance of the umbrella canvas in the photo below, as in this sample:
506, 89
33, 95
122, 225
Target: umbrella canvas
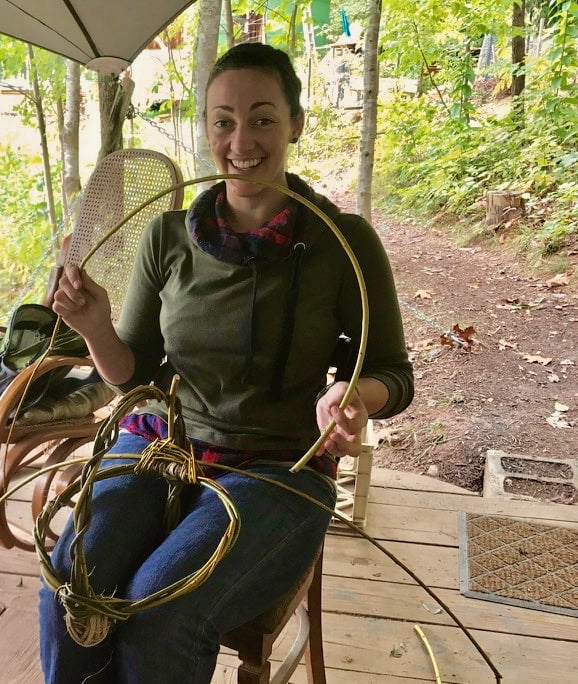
103, 34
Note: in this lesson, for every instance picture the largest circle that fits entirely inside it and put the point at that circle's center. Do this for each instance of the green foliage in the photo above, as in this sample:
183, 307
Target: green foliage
24, 229
50, 70
442, 152
330, 141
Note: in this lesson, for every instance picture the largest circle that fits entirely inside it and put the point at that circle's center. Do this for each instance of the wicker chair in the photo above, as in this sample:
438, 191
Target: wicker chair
50, 432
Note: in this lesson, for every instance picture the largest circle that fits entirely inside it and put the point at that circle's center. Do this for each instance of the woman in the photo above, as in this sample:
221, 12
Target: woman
244, 296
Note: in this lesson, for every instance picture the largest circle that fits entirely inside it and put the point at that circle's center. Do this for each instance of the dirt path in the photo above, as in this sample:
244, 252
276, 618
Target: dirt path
516, 389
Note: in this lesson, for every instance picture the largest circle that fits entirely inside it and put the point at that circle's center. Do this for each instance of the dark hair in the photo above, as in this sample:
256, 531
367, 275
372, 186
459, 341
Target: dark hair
267, 58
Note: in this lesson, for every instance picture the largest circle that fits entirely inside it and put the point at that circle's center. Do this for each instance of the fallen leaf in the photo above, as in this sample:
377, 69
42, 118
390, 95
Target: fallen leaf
460, 337
561, 407
559, 280
422, 345
535, 358
558, 420
503, 344
422, 294
515, 304
509, 304
434, 610
553, 378
567, 362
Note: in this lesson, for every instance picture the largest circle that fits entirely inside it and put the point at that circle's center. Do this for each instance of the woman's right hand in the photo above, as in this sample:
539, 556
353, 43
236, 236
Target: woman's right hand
83, 304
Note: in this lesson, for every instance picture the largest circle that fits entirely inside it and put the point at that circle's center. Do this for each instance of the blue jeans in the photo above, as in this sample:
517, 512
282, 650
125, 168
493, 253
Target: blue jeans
130, 554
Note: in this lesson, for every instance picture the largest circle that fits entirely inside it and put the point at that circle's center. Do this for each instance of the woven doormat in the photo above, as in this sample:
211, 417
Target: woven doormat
517, 562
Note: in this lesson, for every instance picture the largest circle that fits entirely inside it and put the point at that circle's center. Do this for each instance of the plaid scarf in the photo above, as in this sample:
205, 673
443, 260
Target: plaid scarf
209, 229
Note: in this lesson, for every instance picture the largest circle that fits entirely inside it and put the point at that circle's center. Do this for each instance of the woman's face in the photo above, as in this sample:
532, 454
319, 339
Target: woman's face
249, 127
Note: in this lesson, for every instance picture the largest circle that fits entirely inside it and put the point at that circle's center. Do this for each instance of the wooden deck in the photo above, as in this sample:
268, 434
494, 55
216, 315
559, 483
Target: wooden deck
370, 605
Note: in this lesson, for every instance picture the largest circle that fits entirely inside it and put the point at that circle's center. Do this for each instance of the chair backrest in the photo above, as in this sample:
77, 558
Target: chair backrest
119, 184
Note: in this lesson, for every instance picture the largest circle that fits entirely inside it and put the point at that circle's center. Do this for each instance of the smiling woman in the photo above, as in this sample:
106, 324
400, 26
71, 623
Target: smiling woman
244, 296
249, 130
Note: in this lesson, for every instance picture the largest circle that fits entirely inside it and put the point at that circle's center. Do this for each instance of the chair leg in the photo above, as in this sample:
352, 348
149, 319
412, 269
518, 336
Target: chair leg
254, 674
314, 660
254, 654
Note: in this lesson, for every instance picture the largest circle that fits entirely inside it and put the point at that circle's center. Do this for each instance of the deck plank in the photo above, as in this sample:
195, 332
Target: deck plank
474, 504
396, 601
19, 653
400, 479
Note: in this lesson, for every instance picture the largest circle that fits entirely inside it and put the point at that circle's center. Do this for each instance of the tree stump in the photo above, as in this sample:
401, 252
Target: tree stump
503, 206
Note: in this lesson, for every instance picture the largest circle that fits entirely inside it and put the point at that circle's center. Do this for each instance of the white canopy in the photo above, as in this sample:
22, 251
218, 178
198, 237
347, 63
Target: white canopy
103, 34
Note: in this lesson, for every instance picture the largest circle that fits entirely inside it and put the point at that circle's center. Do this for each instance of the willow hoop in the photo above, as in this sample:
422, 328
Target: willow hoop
342, 241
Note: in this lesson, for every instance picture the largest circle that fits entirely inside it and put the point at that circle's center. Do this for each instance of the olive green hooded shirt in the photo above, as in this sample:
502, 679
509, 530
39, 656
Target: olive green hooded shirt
252, 343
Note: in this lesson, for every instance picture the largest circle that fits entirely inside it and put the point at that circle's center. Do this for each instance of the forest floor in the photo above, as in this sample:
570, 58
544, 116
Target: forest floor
514, 387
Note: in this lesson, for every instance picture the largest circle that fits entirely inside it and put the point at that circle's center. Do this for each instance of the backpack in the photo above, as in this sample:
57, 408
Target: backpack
27, 337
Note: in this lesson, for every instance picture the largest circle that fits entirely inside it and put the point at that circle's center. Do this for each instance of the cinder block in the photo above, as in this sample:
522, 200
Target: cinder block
497, 472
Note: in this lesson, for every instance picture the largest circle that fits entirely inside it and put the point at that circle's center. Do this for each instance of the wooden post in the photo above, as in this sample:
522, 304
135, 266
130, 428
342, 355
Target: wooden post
503, 206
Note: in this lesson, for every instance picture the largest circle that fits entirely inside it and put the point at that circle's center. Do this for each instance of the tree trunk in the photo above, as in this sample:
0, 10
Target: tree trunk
292, 36
60, 122
70, 133
43, 140
503, 207
205, 54
114, 100
369, 122
518, 55
229, 25
487, 55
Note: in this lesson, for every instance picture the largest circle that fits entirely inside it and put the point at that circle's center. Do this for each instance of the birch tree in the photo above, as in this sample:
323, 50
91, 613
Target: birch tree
230, 26
114, 99
41, 118
70, 134
206, 53
369, 120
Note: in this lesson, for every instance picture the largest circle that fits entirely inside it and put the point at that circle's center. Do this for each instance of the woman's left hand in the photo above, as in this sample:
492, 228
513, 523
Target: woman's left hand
345, 439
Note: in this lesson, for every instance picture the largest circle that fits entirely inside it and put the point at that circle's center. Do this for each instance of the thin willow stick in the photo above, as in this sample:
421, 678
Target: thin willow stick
430, 652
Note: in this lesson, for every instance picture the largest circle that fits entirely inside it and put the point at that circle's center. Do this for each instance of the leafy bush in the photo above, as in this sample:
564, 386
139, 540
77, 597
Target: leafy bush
24, 230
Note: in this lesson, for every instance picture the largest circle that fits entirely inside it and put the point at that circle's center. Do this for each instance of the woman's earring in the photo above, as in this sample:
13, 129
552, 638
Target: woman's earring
294, 140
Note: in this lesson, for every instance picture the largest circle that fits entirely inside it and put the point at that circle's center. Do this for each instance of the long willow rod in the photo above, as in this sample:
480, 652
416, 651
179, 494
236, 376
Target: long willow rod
290, 193
121, 470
